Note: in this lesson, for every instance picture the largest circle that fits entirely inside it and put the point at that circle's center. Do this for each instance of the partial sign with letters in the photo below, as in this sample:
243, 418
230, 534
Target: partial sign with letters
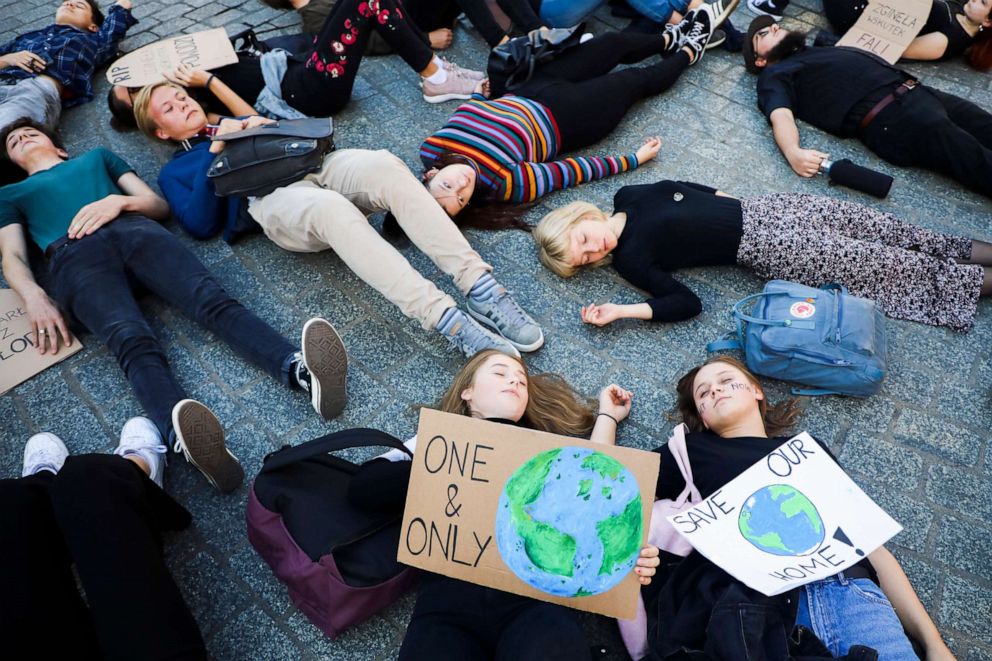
208, 49
19, 357
550, 517
887, 27
792, 518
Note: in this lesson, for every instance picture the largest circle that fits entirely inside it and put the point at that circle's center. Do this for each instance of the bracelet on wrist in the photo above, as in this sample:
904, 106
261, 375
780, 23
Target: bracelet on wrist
615, 421
209, 80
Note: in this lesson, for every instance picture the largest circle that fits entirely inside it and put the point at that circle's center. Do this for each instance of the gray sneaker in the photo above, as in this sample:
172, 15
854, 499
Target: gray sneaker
470, 338
501, 313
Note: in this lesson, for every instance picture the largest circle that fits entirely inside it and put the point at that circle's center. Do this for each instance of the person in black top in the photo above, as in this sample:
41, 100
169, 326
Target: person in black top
849, 92
698, 606
456, 620
658, 228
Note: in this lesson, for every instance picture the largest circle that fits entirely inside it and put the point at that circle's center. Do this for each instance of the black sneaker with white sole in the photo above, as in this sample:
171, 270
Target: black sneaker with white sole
200, 437
699, 36
324, 369
773, 8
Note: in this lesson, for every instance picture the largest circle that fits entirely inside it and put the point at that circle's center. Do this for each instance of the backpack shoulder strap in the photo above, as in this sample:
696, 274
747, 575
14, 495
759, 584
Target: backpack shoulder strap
676, 445
340, 440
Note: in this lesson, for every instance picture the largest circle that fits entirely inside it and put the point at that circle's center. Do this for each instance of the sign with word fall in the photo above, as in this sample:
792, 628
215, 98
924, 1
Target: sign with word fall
550, 517
792, 518
19, 357
208, 49
887, 27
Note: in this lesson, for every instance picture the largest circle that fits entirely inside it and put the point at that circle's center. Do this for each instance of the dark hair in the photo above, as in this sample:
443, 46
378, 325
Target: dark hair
778, 418
95, 10
121, 116
27, 122
792, 42
278, 4
483, 211
980, 56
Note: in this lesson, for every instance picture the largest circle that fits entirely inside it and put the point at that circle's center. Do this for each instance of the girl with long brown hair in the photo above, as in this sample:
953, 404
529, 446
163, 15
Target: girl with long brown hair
700, 607
457, 620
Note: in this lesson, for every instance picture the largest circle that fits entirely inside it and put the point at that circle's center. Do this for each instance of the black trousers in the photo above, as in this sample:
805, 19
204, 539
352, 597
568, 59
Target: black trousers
102, 513
454, 620
931, 129
587, 98
321, 84
843, 14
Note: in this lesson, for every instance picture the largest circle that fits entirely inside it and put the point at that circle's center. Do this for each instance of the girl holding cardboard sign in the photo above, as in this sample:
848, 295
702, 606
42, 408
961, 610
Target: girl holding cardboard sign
458, 620
871, 604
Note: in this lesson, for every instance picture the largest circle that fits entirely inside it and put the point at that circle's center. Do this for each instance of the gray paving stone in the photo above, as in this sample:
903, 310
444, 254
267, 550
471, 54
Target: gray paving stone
964, 546
968, 608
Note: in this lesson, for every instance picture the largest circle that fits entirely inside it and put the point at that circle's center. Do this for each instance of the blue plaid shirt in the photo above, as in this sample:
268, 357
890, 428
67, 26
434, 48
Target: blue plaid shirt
75, 54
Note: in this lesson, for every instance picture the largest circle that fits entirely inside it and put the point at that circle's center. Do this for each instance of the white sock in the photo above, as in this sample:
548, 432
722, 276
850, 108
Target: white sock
438, 76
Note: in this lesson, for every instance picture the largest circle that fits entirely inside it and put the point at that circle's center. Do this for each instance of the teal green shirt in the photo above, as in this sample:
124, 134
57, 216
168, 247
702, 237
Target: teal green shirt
47, 201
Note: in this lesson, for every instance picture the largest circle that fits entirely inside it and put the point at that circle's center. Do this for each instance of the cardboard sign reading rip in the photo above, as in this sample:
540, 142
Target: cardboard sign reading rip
208, 49
19, 357
550, 517
887, 27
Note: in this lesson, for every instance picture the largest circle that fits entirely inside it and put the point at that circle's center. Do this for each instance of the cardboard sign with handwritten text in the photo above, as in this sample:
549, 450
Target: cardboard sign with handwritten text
208, 49
887, 27
792, 518
550, 517
19, 357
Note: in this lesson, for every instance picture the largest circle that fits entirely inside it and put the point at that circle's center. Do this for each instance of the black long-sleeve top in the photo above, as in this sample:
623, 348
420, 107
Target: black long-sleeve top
672, 225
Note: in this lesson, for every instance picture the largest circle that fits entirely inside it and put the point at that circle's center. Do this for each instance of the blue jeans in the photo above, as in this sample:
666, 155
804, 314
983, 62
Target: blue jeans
659, 11
843, 612
92, 278
566, 13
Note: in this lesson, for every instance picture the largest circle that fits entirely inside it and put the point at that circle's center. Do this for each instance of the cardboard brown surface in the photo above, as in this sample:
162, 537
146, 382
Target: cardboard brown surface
887, 27
19, 359
460, 469
208, 49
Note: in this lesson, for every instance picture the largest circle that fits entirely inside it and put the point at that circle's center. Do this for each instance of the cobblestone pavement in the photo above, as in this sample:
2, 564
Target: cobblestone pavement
920, 447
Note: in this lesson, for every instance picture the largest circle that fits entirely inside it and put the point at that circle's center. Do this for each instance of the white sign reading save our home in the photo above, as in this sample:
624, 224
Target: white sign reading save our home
792, 518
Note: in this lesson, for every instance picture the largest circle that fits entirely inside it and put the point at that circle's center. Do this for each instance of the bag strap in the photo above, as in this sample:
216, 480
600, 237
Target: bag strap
813, 392
739, 314
835, 286
676, 445
725, 344
340, 440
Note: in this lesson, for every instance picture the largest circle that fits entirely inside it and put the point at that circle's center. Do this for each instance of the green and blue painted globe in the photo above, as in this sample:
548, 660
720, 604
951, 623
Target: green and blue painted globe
781, 520
569, 522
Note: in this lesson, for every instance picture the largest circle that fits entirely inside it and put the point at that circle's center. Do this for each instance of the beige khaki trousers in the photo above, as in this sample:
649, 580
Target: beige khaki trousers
327, 209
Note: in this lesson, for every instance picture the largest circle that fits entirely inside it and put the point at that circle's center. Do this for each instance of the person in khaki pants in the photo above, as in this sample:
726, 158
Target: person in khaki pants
326, 209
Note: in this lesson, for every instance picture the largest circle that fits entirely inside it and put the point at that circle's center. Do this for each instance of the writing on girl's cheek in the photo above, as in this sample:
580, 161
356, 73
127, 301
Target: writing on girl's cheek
741, 386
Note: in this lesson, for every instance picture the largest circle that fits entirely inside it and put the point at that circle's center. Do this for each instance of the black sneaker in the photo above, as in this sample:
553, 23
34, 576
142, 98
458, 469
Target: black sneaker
773, 8
323, 372
699, 36
200, 436
718, 38
677, 32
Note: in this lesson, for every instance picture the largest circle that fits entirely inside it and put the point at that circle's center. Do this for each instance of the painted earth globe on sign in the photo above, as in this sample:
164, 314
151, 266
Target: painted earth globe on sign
569, 522
781, 520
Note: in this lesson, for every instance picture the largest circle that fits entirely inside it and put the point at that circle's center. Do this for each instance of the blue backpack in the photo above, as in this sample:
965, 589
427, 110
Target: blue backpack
824, 338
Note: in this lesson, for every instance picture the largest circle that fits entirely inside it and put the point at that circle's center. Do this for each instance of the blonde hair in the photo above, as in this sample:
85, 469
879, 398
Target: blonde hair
552, 237
142, 108
778, 418
552, 405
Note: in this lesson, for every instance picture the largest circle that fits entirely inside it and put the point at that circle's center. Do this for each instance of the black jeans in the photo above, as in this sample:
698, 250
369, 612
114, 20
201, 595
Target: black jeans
457, 620
941, 132
843, 14
92, 280
321, 84
587, 98
102, 513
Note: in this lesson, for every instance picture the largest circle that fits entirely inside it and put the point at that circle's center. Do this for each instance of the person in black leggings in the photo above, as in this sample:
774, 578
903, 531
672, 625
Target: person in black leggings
457, 620
319, 82
570, 103
105, 515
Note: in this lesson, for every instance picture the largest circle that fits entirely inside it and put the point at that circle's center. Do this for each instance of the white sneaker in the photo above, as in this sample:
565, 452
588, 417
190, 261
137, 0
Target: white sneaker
451, 67
44, 452
141, 437
455, 86
200, 436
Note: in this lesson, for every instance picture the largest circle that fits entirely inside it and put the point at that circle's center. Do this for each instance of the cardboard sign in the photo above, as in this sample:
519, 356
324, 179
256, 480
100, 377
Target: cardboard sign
19, 357
550, 517
201, 50
887, 27
792, 518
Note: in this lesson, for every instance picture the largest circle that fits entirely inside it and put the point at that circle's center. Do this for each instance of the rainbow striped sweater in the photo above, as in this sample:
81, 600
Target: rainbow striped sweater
515, 141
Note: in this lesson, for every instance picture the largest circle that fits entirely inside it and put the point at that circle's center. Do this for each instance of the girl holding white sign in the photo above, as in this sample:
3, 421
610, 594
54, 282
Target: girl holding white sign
871, 604
457, 620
